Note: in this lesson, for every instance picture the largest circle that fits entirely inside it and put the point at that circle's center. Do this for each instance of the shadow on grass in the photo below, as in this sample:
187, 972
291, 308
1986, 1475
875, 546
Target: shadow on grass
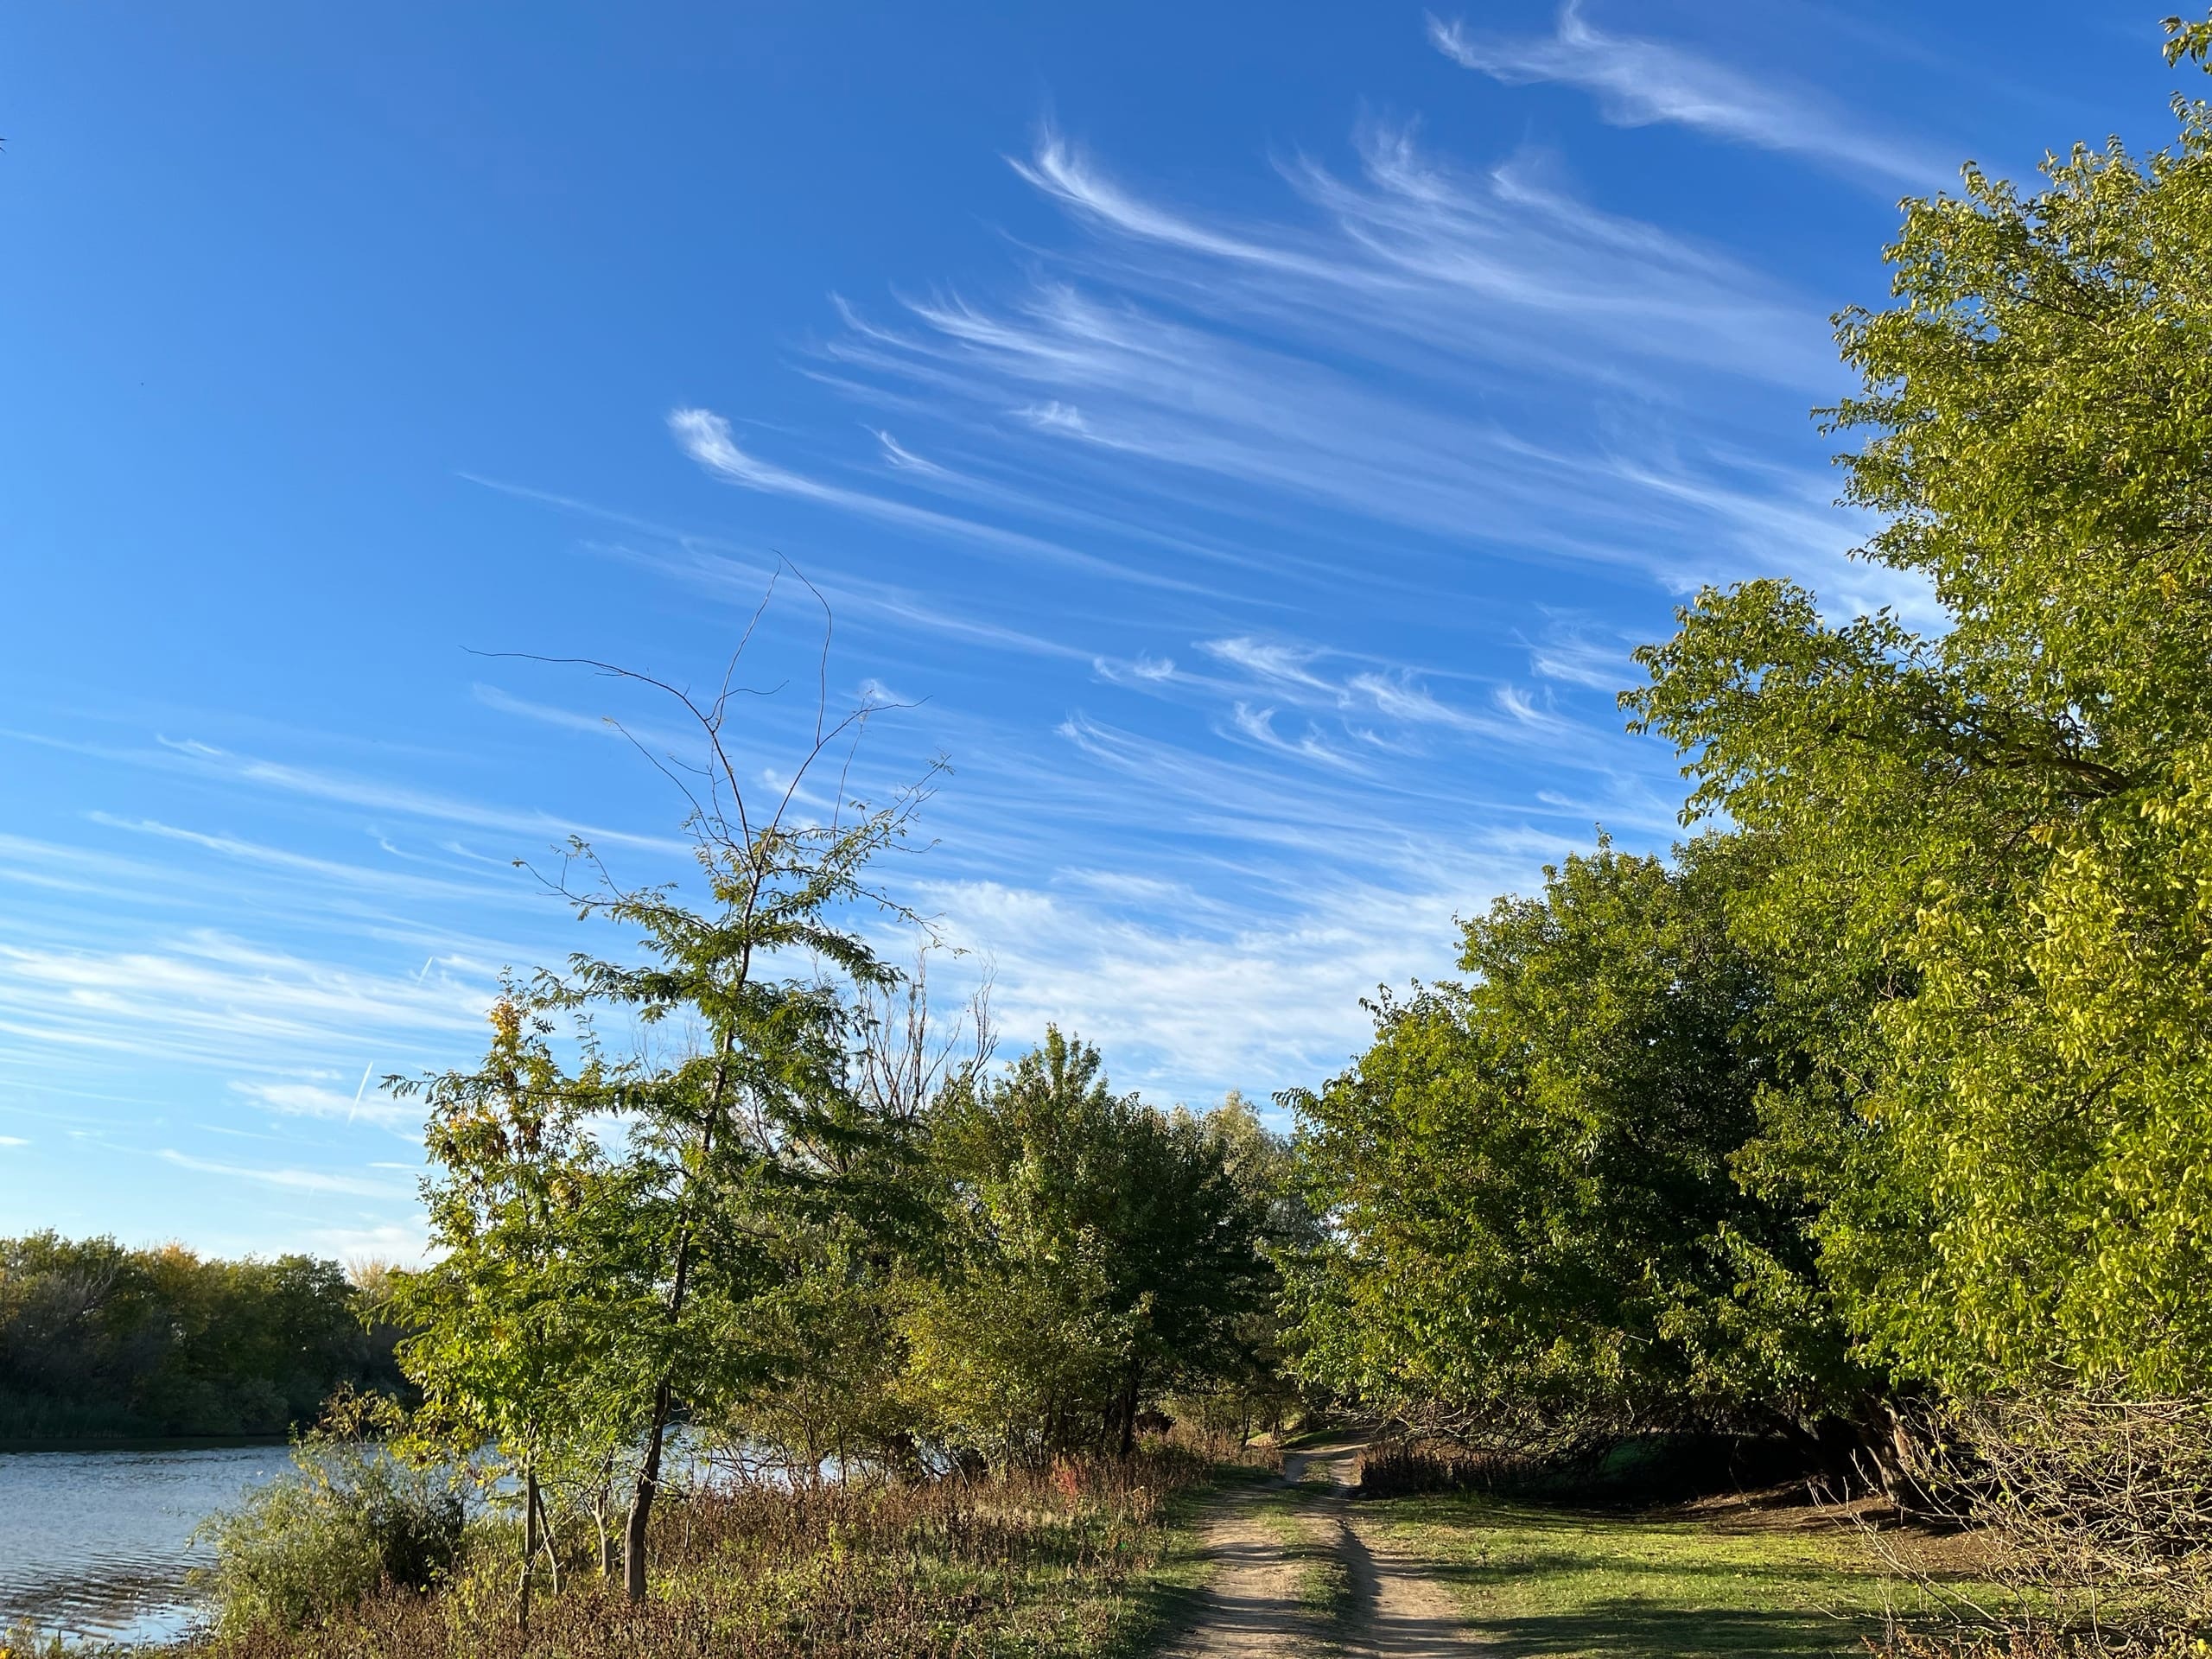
1633, 1630
1541, 1581
1513, 1564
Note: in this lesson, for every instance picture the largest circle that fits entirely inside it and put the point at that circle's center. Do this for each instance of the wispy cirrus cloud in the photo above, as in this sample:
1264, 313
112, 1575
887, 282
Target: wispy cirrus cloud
315, 1097
295, 1180
1639, 81
207, 998
1270, 660
1425, 250
385, 794
1408, 354
1574, 655
706, 437
1394, 694
1189, 998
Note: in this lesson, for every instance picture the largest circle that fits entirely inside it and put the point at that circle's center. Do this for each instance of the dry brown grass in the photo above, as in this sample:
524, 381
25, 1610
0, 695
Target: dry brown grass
1083, 1562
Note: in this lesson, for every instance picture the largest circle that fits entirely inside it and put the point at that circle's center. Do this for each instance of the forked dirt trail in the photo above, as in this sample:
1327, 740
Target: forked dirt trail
1269, 1557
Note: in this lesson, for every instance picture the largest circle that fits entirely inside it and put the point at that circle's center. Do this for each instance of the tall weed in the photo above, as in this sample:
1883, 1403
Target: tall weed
1059, 1562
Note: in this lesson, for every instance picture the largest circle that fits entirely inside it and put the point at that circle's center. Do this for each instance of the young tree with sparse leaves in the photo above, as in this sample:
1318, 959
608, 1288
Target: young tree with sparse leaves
738, 1127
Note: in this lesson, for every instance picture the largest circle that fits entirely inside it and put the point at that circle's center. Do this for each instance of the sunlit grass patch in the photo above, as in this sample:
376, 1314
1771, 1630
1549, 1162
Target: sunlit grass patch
1564, 1584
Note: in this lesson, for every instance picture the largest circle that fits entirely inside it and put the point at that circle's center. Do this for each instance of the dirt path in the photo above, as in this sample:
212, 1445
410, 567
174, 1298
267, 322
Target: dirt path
1276, 1563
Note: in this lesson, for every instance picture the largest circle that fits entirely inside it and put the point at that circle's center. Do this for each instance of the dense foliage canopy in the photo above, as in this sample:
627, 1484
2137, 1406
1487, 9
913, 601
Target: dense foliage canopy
1991, 881
1099, 1248
1902, 1076
1533, 1174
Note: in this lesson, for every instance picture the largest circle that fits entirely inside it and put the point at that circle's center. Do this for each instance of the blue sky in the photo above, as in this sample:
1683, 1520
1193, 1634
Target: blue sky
1253, 437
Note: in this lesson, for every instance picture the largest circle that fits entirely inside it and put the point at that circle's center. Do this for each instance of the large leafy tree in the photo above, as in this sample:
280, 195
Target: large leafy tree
1990, 903
1530, 1175
1100, 1251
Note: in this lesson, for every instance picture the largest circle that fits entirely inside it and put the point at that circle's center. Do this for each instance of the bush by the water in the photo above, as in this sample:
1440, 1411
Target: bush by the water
351, 1522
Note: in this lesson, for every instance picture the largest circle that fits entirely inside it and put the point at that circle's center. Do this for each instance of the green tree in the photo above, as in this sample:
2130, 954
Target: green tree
1255, 1383
754, 1133
1529, 1176
842, 1405
1990, 899
515, 1325
1100, 1251
739, 1127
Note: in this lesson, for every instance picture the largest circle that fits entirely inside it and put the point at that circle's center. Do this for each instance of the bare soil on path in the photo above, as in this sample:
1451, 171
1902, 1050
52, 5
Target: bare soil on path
1274, 1563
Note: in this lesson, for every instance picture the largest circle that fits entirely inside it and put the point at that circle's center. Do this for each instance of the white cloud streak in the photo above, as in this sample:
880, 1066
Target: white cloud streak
295, 1180
1639, 82
706, 437
312, 1099
214, 1000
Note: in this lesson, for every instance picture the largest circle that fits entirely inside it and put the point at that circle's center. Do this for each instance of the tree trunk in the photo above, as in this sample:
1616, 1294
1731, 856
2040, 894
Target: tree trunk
641, 1505
1129, 1409
529, 1543
547, 1543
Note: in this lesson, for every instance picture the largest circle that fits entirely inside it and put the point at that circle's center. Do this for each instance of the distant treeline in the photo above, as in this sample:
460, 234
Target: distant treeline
97, 1340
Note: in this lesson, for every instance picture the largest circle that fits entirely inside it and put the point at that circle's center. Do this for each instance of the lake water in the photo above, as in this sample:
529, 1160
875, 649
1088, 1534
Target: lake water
96, 1543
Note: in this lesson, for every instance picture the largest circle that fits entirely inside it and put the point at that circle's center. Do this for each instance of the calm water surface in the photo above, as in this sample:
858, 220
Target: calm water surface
95, 1543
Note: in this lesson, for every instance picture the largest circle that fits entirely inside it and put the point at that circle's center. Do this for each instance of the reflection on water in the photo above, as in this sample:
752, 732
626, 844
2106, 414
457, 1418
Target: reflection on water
94, 1543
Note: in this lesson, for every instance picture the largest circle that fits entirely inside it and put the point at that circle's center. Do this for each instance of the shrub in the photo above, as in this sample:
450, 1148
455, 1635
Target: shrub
350, 1520
1396, 1467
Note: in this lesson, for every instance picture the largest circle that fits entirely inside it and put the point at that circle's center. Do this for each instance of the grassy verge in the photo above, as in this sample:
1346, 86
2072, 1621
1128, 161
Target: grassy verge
1308, 1541
1574, 1586
1093, 1568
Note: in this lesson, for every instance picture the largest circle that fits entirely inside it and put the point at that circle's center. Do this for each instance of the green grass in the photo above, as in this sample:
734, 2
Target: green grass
1575, 1585
1324, 1591
1309, 1544
1326, 1434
